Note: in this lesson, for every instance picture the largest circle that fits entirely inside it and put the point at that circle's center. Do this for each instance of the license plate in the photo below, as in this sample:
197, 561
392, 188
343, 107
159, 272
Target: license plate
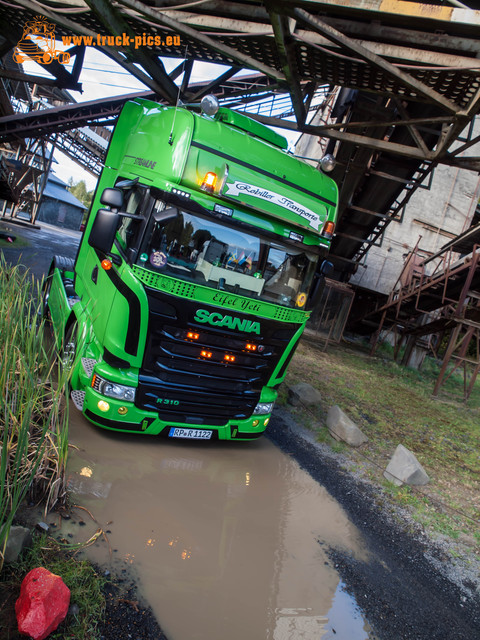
194, 434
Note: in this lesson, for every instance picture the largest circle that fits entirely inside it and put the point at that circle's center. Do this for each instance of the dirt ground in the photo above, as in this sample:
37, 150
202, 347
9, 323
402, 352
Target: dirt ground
409, 589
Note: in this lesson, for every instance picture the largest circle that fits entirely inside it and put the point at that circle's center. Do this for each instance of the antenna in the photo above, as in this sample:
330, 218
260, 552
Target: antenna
170, 139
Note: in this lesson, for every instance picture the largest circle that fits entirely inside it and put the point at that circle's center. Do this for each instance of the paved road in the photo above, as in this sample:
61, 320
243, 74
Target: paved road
35, 247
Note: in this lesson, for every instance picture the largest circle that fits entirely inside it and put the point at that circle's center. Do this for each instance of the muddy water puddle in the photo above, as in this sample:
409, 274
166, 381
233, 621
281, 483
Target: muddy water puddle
226, 541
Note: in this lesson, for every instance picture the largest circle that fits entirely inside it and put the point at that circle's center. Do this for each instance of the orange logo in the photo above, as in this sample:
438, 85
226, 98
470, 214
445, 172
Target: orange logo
38, 43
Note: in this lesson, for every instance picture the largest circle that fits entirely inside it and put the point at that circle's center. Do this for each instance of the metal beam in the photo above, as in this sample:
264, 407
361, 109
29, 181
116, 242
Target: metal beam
417, 138
283, 40
45, 121
117, 25
361, 141
471, 163
375, 143
421, 13
234, 55
214, 84
383, 123
26, 77
389, 69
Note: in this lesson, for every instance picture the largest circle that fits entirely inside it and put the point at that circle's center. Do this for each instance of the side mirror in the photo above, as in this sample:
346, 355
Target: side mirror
112, 198
103, 229
326, 268
315, 296
166, 215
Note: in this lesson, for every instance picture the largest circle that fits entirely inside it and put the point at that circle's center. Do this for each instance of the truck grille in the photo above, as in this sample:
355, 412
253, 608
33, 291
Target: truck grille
197, 376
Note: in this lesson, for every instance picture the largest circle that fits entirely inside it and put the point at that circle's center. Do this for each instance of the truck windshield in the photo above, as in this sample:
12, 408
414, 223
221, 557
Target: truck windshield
200, 250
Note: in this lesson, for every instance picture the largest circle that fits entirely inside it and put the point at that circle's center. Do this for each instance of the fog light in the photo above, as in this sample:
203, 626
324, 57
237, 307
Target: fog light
103, 406
122, 410
255, 423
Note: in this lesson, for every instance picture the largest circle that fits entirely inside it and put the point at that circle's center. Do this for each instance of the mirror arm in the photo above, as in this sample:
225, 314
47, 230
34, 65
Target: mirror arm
127, 215
115, 258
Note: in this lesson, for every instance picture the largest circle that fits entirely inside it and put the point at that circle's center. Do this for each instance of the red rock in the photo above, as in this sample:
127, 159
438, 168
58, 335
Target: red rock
42, 605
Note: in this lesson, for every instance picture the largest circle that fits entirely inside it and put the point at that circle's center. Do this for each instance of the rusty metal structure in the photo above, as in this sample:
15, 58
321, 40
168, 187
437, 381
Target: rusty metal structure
438, 296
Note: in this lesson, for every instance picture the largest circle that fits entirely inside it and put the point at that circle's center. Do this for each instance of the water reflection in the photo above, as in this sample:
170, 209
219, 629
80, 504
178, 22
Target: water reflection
225, 538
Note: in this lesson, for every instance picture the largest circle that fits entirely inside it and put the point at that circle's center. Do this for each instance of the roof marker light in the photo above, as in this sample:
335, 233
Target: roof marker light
209, 182
328, 229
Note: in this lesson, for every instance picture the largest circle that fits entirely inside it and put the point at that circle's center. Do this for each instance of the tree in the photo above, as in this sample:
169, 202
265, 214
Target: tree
80, 191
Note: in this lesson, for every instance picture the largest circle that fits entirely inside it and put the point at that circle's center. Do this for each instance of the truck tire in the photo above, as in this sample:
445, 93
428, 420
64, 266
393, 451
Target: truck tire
47, 285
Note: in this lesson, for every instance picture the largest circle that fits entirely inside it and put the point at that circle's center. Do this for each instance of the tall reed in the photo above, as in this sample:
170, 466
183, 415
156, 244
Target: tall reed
33, 412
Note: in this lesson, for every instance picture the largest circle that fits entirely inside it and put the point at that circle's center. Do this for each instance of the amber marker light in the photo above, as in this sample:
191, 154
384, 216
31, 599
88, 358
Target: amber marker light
328, 229
106, 264
228, 358
191, 335
250, 347
206, 354
209, 182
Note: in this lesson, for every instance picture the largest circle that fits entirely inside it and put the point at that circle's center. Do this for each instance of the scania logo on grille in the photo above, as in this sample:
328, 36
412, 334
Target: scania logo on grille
218, 320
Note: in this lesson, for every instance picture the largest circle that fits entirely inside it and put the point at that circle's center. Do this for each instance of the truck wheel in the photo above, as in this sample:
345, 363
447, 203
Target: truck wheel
69, 348
47, 285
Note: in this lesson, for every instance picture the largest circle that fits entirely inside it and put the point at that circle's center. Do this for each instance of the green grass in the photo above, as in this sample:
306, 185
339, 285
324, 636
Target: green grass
80, 577
394, 405
33, 414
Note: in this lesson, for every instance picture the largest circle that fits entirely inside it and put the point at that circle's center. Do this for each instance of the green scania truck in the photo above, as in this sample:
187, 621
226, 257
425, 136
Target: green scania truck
201, 260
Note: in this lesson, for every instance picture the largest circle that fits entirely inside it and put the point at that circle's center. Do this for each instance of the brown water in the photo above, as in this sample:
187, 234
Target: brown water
226, 539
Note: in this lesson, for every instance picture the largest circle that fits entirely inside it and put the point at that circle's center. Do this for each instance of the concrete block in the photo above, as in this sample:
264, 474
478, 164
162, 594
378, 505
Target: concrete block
342, 428
405, 468
303, 393
19, 538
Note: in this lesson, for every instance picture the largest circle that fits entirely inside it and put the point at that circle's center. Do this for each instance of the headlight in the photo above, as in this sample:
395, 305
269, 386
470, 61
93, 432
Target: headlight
112, 389
263, 407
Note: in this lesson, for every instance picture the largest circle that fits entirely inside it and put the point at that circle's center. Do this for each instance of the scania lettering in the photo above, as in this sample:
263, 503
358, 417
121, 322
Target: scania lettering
216, 319
202, 258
